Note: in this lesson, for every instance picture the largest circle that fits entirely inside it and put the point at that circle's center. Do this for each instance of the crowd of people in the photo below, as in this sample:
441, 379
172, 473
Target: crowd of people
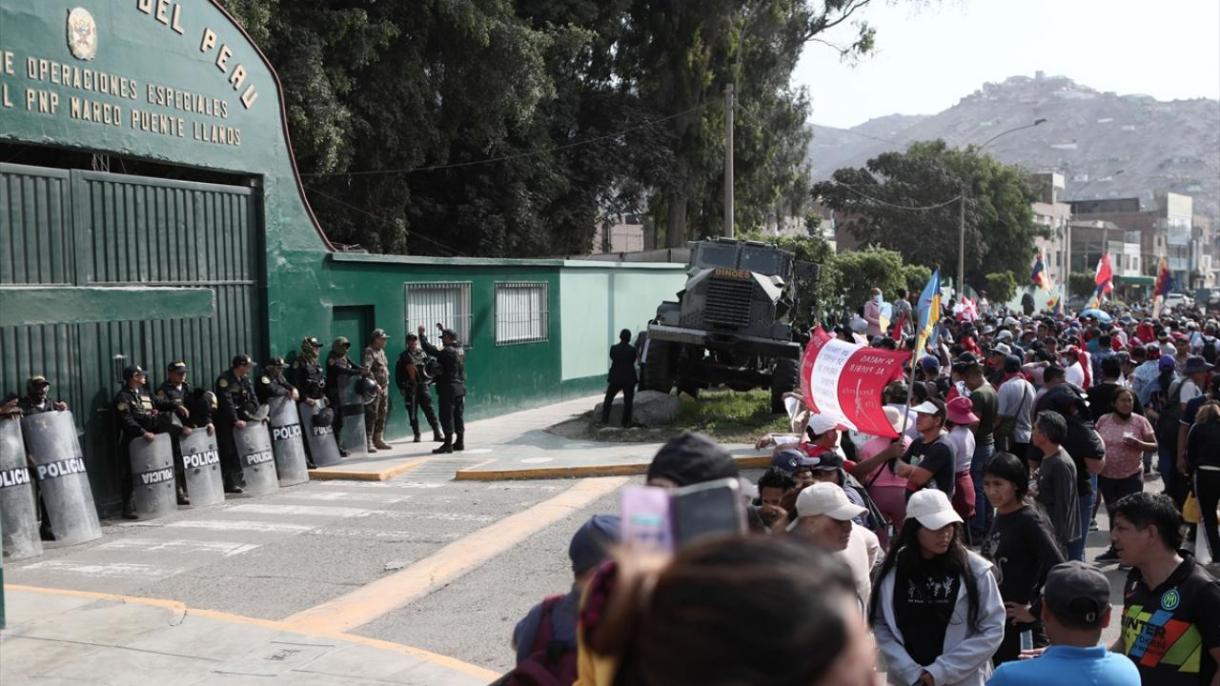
953, 554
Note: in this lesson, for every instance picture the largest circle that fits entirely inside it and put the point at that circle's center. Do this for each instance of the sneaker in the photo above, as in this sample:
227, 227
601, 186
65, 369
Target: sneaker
1093, 526
1107, 557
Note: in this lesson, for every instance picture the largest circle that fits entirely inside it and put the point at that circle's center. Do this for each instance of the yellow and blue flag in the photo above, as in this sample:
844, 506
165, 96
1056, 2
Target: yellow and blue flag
929, 312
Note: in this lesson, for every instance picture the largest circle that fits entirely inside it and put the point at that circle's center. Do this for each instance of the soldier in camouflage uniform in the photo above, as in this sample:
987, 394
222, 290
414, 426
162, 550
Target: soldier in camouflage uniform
376, 412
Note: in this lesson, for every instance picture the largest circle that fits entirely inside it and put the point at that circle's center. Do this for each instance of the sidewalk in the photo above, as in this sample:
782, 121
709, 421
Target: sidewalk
61, 637
517, 446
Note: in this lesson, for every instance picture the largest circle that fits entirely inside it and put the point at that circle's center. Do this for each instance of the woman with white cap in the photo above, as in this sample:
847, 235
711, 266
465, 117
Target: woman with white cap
936, 609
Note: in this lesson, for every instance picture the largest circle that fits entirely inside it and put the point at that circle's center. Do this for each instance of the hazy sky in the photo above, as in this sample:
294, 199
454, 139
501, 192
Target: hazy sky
931, 54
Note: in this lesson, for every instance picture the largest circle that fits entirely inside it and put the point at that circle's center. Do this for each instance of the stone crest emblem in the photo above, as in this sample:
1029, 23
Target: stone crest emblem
82, 34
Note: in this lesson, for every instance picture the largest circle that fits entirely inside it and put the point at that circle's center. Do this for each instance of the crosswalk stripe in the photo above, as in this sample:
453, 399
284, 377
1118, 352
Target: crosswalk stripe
297, 510
181, 545
104, 569
240, 525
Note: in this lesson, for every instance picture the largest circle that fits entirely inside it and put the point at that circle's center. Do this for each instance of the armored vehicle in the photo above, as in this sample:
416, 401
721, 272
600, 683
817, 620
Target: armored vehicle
730, 325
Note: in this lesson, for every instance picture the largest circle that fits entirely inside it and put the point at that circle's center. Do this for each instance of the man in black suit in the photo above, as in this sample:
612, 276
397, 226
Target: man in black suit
621, 377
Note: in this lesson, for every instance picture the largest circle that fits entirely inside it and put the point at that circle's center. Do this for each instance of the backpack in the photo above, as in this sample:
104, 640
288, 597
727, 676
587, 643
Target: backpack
1170, 416
1209, 350
551, 662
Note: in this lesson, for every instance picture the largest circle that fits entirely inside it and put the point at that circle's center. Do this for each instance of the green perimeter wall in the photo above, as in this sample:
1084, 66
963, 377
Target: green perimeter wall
194, 46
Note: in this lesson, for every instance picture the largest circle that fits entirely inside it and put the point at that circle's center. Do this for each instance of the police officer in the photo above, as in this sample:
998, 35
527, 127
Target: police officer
171, 397
450, 387
273, 384
412, 375
376, 412
238, 405
137, 416
37, 398
307, 374
339, 372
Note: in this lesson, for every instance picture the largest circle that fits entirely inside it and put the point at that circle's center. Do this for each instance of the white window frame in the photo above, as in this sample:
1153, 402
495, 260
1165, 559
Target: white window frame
447, 302
517, 327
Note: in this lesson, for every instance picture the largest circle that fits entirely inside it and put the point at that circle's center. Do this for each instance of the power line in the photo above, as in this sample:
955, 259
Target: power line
879, 201
350, 206
514, 156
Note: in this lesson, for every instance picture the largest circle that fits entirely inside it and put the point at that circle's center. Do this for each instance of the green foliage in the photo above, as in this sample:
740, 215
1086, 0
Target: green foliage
999, 220
729, 415
1001, 287
1081, 283
916, 277
395, 109
862, 270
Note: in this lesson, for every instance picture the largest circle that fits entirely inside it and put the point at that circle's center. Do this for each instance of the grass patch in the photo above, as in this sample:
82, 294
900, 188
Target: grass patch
729, 416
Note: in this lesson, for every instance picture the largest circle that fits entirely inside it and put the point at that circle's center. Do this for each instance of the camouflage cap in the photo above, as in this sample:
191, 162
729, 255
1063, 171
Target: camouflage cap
380, 333
38, 380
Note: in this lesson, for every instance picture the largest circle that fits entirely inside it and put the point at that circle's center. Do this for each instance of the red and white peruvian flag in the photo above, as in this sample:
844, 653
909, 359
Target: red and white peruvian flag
845, 381
1105, 275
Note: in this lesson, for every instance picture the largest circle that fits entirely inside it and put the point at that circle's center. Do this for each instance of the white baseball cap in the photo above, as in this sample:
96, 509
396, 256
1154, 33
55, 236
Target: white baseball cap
820, 424
825, 498
930, 506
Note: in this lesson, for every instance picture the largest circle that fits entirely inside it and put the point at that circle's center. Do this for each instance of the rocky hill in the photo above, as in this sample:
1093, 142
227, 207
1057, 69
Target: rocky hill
1106, 145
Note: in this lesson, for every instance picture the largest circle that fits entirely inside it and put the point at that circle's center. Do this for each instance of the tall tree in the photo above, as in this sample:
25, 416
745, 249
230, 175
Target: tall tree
907, 201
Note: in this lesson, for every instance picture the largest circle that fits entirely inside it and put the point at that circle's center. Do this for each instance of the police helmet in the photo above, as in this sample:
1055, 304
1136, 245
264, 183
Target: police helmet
342, 342
131, 370
324, 417
367, 389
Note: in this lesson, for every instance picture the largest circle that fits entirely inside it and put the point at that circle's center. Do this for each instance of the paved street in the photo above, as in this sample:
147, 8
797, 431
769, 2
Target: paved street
345, 568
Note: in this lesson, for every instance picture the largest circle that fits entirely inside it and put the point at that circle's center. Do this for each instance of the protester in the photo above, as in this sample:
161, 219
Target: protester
962, 420
1075, 609
985, 405
1056, 481
1171, 605
1084, 447
824, 517
701, 620
1164, 410
1203, 460
875, 469
545, 639
872, 313
1127, 436
1015, 401
929, 462
689, 458
936, 609
773, 485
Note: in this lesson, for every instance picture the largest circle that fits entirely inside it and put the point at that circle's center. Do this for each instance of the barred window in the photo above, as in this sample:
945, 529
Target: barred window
444, 302
521, 312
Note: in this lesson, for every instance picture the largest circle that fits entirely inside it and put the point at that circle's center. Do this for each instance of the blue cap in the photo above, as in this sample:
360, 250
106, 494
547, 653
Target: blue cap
1167, 362
592, 542
929, 363
791, 460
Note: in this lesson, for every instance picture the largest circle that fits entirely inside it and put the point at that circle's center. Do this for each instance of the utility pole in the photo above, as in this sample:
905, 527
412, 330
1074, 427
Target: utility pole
728, 161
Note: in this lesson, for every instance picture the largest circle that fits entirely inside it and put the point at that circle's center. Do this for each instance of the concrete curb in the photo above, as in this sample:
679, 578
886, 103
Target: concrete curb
583, 471
337, 474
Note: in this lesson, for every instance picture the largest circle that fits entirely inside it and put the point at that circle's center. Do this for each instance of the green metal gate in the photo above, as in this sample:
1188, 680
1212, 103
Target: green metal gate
85, 228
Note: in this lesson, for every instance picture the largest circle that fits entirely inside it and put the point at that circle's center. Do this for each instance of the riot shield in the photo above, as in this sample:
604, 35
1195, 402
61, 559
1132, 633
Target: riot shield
201, 462
286, 442
59, 466
352, 436
152, 476
256, 458
323, 447
18, 511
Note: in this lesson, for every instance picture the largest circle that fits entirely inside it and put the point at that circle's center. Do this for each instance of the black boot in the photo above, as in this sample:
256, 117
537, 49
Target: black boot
437, 437
129, 512
459, 444
445, 447
417, 438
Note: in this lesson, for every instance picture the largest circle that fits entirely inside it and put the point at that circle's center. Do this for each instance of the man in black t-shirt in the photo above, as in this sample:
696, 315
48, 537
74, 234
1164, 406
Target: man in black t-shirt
1171, 605
930, 460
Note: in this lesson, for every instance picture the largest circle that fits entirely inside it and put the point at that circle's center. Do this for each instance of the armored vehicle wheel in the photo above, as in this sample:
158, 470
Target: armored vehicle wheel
783, 380
658, 369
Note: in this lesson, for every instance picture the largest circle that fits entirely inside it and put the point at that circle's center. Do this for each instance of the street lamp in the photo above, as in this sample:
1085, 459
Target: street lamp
961, 216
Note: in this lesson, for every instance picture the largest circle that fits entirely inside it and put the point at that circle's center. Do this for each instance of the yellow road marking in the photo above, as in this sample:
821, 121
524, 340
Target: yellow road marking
473, 473
332, 473
180, 608
375, 599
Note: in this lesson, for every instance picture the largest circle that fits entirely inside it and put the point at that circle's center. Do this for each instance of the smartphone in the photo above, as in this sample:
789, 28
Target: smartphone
646, 523
1027, 640
700, 510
